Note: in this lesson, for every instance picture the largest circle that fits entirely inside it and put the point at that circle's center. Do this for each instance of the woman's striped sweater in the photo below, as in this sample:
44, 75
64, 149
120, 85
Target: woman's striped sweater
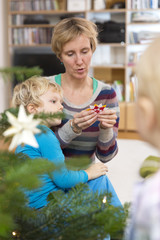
92, 140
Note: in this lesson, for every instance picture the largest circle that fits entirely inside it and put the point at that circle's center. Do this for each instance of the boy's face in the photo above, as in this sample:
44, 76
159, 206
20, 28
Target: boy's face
51, 103
140, 121
146, 119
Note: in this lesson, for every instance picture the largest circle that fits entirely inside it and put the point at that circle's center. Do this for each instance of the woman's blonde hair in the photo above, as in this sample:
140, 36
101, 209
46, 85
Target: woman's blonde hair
31, 89
148, 73
68, 29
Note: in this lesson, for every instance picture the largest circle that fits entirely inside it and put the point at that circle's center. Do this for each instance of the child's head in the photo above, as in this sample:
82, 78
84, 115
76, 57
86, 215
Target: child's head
37, 94
148, 104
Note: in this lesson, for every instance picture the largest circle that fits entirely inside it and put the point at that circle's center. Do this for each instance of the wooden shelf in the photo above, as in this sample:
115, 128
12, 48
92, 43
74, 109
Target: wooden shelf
130, 117
106, 72
33, 45
45, 12
108, 66
136, 44
143, 23
113, 44
143, 10
122, 10
33, 26
129, 135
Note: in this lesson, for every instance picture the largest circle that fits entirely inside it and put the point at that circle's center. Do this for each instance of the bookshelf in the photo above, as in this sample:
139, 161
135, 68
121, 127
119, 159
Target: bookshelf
31, 23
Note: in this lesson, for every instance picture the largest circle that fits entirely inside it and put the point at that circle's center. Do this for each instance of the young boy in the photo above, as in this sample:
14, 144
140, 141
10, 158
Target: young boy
37, 94
145, 211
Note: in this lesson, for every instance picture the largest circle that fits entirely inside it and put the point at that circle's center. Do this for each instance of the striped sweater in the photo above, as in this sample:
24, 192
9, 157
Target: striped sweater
93, 140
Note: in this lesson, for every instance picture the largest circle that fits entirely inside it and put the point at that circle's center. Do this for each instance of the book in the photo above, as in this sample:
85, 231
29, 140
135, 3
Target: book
74, 5
99, 4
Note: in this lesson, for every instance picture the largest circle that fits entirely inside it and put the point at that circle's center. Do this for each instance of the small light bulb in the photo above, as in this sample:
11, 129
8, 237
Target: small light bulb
104, 199
14, 233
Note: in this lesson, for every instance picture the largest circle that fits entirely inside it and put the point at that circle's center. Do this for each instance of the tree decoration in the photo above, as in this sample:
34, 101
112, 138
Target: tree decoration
97, 108
23, 129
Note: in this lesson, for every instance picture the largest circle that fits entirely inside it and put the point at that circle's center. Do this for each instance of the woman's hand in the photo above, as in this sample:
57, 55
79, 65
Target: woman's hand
96, 170
107, 118
83, 120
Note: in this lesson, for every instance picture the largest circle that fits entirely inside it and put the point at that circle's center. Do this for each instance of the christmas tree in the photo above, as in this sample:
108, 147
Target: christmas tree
77, 214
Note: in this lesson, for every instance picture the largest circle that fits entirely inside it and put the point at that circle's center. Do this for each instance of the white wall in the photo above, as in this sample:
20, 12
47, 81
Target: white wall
4, 101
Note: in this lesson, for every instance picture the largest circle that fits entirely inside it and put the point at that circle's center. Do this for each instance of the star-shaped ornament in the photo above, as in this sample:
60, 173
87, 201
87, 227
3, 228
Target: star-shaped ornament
22, 129
97, 108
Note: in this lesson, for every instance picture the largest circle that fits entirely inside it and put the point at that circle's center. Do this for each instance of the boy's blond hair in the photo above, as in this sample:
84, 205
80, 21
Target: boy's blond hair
31, 89
148, 73
70, 28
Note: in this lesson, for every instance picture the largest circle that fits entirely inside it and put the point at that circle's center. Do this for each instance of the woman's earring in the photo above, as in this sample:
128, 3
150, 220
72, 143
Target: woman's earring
61, 63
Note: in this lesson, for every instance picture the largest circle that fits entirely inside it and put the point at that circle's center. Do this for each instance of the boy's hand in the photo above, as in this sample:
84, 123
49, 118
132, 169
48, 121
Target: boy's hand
96, 170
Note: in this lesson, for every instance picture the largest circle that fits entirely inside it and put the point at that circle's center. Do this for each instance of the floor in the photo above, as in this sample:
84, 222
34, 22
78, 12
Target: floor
124, 168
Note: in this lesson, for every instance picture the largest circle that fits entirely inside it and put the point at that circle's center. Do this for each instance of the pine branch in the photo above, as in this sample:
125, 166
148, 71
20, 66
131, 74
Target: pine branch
45, 118
21, 73
16, 174
78, 214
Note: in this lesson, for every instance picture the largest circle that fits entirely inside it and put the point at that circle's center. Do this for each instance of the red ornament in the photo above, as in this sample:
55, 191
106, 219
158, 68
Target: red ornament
97, 108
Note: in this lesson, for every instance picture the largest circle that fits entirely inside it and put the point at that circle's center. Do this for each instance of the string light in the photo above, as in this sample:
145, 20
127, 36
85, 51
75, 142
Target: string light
14, 233
104, 199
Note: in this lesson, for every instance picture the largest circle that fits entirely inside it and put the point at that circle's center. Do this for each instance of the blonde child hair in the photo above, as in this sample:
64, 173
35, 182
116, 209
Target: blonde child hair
70, 28
148, 73
31, 89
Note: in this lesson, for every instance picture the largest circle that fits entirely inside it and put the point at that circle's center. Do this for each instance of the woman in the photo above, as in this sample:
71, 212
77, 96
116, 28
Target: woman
83, 132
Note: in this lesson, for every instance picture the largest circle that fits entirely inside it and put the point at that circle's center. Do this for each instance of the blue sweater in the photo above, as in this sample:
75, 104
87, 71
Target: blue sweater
49, 148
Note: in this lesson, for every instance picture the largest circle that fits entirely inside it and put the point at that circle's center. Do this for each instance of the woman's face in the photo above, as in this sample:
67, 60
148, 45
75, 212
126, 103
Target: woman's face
76, 56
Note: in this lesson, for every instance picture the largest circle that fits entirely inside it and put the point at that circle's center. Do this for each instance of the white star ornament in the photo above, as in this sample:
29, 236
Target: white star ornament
23, 129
